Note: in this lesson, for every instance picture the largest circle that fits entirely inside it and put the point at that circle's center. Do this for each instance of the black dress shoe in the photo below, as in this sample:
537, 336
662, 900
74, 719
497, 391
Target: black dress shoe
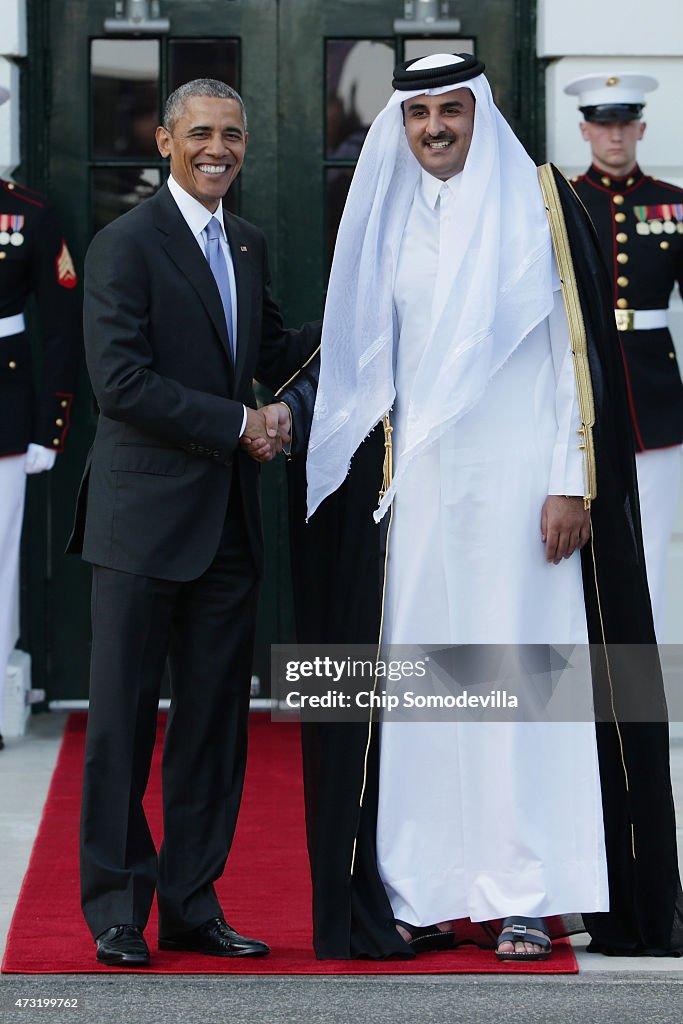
215, 938
428, 940
2, 742
123, 946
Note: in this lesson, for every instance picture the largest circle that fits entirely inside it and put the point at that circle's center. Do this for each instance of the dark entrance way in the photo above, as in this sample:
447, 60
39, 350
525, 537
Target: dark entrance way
313, 73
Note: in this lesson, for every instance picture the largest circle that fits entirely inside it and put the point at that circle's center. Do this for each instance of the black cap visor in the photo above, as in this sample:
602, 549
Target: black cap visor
606, 113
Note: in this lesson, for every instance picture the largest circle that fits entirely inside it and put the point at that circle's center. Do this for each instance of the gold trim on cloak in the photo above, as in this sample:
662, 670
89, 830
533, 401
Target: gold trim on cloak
388, 469
584, 387
577, 329
296, 374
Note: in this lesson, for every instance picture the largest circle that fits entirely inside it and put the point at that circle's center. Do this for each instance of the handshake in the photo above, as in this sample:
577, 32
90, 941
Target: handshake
266, 432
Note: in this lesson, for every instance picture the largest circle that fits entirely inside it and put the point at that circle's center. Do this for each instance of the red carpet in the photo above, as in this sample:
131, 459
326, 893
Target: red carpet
265, 889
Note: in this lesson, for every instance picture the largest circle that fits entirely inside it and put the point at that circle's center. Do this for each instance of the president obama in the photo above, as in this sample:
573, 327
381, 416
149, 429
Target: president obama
178, 320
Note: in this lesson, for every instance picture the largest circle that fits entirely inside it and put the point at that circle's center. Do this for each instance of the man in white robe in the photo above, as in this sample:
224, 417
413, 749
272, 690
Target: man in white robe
487, 521
445, 311
472, 840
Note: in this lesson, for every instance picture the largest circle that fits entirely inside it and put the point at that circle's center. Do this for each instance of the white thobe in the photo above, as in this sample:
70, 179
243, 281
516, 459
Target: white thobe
482, 820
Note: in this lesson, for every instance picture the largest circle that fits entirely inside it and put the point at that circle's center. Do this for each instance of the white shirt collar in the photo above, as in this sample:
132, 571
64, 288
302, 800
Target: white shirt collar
196, 215
431, 187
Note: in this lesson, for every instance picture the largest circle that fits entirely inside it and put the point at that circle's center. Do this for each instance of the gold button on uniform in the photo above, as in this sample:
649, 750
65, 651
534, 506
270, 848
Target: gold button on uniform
606, 181
620, 217
622, 237
59, 423
629, 182
664, 245
618, 200
12, 365
622, 257
3, 255
64, 403
55, 441
672, 355
10, 186
622, 282
622, 303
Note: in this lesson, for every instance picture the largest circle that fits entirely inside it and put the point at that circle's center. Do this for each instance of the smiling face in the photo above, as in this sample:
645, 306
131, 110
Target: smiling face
206, 147
613, 144
439, 130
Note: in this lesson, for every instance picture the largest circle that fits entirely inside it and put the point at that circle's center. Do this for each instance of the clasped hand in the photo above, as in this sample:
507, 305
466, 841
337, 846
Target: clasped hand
267, 430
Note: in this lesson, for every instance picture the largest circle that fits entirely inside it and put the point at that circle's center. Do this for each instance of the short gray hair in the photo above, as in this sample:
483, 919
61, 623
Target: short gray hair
199, 87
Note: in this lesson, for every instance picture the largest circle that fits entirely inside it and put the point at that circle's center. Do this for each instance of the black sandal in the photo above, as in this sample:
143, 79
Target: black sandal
428, 940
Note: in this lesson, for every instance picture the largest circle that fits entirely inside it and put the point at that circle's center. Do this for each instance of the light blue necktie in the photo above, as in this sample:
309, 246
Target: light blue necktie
219, 268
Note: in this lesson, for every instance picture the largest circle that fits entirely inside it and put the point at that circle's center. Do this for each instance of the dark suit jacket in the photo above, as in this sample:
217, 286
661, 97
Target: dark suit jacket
155, 490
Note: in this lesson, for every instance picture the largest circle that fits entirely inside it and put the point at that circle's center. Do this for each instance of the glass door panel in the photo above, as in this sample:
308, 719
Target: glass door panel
124, 83
414, 48
203, 58
115, 190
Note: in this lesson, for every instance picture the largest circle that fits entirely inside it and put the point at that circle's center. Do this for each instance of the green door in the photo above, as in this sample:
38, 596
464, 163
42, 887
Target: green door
335, 59
313, 73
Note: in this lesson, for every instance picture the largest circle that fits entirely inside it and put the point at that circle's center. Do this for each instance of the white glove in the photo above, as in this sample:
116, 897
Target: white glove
38, 459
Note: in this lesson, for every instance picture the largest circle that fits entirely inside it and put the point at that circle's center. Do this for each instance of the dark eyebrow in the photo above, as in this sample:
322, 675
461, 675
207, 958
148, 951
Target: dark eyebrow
423, 106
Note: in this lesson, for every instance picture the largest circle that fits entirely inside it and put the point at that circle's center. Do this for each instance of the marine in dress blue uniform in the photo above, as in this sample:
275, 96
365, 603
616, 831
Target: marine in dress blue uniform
34, 415
34, 259
639, 221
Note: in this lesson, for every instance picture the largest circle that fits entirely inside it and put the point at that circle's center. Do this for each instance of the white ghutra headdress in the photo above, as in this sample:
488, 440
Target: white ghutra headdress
498, 283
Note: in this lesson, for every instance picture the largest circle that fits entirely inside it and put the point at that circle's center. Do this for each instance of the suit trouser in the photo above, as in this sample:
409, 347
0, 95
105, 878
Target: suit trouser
204, 631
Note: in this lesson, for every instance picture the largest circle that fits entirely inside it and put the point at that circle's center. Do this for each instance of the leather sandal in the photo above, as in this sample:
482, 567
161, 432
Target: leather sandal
428, 940
524, 929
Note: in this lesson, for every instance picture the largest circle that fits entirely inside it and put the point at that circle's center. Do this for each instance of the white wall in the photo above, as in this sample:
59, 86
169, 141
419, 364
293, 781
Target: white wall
622, 35
623, 27
12, 45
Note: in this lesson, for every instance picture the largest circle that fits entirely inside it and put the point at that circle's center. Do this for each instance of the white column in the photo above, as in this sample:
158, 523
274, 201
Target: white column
623, 35
12, 45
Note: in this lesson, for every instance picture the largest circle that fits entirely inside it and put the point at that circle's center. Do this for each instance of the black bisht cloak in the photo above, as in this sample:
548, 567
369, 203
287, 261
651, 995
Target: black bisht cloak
338, 567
